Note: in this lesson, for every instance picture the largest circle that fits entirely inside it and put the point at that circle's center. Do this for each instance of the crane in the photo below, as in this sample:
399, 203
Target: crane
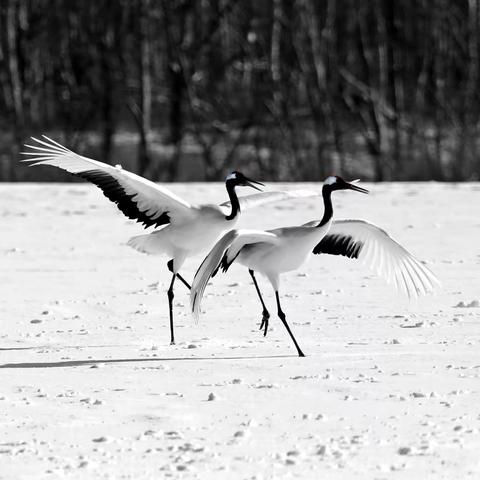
277, 251
184, 229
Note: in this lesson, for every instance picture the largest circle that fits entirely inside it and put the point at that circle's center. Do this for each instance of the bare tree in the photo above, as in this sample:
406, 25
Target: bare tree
292, 88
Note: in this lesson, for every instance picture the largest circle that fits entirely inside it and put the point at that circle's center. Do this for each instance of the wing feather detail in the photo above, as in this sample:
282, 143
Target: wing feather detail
257, 199
222, 255
373, 246
138, 198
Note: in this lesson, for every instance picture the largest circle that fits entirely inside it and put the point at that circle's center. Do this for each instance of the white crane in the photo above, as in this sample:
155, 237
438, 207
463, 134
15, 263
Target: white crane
285, 249
186, 229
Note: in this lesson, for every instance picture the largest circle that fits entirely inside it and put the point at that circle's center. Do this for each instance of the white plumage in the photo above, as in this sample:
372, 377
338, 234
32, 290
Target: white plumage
229, 246
377, 250
285, 249
257, 199
186, 229
149, 198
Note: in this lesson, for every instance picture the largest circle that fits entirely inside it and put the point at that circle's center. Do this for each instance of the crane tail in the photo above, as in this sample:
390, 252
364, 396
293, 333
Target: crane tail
150, 244
207, 269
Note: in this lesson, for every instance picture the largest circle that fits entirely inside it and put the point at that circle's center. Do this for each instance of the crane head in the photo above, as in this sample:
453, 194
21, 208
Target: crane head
335, 182
238, 179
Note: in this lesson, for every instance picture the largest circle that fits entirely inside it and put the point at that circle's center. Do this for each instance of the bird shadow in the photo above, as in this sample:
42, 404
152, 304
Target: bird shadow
91, 362
15, 348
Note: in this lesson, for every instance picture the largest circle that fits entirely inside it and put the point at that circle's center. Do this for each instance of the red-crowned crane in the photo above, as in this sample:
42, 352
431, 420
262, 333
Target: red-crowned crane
282, 250
186, 229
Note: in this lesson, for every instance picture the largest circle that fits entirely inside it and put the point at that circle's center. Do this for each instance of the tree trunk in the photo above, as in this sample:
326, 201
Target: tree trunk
372, 119
14, 74
176, 87
389, 35
107, 117
145, 91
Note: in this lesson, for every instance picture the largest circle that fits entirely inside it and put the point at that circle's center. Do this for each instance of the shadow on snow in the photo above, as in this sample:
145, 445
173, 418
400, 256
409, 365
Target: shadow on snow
80, 363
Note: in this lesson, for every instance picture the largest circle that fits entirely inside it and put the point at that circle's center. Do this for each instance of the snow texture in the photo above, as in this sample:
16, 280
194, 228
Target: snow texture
90, 387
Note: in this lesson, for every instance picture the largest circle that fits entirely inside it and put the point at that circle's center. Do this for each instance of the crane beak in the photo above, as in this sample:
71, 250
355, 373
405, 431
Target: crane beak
253, 183
356, 188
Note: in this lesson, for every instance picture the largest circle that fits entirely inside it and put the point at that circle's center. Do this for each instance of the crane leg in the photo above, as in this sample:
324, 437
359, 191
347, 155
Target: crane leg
184, 281
170, 309
283, 318
265, 313
170, 267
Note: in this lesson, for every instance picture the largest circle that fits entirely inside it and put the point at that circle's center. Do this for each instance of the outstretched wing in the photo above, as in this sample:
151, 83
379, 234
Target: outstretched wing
257, 199
223, 254
136, 197
373, 246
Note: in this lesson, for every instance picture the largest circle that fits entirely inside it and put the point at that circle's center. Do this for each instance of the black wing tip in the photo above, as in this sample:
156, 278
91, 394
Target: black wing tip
220, 265
224, 263
112, 189
337, 244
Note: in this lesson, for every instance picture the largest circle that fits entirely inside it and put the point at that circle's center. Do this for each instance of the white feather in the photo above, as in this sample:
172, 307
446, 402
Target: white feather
387, 258
148, 196
233, 241
257, 199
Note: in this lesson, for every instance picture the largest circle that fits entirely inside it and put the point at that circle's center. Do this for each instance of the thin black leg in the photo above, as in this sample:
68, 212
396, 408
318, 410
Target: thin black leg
170, 267
170, 309
265, 313
282, 317
184, 281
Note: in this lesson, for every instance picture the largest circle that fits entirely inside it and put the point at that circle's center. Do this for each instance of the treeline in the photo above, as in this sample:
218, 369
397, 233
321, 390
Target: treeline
285, 89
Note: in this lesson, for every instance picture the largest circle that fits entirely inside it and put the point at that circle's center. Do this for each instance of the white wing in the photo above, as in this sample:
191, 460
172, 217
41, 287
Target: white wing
257, 199
376, 249
137, 197
222, 255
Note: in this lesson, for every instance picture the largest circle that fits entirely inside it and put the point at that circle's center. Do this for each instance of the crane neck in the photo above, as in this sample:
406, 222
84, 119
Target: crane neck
327, 203
233, 201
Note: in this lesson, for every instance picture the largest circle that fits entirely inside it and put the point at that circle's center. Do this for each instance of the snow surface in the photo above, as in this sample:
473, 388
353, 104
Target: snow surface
90, 387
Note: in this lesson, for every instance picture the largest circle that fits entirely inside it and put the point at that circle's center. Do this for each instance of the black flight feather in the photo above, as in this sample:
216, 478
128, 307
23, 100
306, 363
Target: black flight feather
224, 263
339, 245
112, 189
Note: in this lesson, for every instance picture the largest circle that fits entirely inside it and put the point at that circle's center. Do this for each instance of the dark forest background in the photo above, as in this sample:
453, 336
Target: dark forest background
281, 89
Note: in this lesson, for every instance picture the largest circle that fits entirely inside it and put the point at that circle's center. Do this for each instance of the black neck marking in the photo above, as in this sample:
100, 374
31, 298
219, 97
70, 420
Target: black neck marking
233, 200
327, 203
